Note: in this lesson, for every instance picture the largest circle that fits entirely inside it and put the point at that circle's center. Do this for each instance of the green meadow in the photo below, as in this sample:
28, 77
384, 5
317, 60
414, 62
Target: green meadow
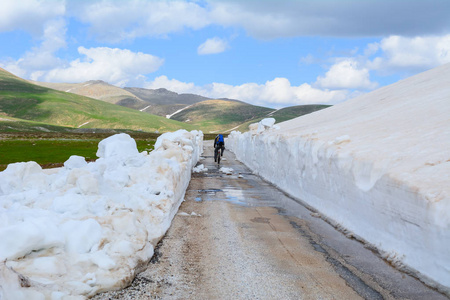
53, 152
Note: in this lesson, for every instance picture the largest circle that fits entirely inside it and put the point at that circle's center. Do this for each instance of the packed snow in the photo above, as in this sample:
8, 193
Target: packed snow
377, 166
227, 171
199, 169
72, 232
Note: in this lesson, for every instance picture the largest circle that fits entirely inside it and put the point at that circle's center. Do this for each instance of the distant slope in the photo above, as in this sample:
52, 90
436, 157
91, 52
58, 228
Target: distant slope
163, 102
160, 102
23, 100
99, 90
220, 115
285, 114
10, 124
292, 112
163, 96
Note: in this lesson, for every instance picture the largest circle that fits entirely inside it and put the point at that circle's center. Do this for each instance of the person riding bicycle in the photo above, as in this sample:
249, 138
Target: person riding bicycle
219, 143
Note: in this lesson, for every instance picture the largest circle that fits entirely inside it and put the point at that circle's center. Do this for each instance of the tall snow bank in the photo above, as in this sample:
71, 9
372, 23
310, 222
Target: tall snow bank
88, 227
377, 165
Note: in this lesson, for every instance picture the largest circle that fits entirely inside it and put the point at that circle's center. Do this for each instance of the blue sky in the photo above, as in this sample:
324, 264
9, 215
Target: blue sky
274, 53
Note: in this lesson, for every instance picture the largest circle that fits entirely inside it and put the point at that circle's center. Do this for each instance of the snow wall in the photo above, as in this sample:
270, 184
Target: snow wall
72, 232
377, 166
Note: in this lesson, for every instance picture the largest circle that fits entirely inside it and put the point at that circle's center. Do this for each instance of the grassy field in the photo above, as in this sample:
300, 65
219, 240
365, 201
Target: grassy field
52, 150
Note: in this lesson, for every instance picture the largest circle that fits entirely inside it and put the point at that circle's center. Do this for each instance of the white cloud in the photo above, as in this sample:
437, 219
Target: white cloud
113, 65
412, 54
278, 93
275, 93
212, 46
115, 21
29, 15
173, 85
347, 74
43, 56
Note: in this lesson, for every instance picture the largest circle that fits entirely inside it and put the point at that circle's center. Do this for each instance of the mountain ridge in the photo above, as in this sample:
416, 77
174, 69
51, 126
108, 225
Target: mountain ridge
206, 114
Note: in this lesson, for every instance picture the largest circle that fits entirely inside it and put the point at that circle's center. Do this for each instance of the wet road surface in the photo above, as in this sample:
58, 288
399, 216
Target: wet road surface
238, 237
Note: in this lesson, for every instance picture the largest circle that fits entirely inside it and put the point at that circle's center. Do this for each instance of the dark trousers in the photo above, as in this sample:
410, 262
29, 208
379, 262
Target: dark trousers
216, 149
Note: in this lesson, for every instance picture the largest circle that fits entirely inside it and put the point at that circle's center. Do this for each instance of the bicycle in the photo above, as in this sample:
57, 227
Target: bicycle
217, 155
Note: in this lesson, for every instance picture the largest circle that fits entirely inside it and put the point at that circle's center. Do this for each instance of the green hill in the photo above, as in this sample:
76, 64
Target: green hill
220, 115
285, 114
292, 112
22, 100
227, 115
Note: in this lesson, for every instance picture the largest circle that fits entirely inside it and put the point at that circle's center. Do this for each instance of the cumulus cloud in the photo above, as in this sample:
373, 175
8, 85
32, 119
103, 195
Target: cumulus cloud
392, 55
278, 93
411, 54
212, 46
173, 85
43, 56
113, 65
116, 66
346, 74
115, 21
274, 93
29, 15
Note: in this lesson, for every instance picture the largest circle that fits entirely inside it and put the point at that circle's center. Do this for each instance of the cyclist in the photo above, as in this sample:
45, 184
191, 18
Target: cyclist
219, 143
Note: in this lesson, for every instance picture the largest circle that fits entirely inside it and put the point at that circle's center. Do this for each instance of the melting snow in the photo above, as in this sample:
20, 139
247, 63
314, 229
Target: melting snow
199, 169
377, 165
227, 171
86, 227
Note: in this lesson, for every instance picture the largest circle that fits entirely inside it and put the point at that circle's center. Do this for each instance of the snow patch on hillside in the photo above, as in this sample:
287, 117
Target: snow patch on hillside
72, 232
143, 109
178, 111
85, 123
377, 165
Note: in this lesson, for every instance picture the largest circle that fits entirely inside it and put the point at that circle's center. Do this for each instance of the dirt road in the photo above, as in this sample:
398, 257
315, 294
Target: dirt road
238, 237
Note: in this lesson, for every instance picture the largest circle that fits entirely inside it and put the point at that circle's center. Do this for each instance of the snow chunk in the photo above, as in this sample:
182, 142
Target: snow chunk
32, 234
121, 145
228, 171
199, 169
192, 214
265, 124
75, 161
81, 235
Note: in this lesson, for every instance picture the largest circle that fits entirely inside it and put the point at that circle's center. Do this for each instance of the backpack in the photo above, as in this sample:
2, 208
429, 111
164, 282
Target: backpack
220, 138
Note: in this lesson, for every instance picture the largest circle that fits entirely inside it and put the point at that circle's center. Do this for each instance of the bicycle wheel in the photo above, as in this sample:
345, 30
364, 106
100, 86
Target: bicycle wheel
218, 157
